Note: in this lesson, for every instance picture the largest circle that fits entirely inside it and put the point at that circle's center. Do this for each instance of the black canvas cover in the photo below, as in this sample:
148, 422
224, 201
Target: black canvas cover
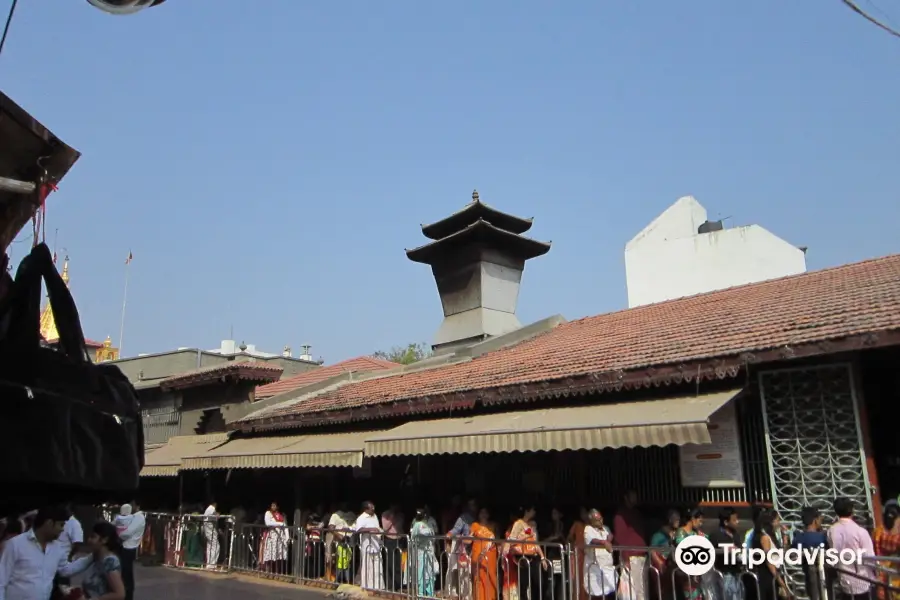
69, 429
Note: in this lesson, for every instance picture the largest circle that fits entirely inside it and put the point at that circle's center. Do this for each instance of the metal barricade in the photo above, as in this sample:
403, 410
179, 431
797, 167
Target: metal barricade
265, 551
375, 561
312, 561
650, 573
466, 568
202, 542
157, 543
878, 578
473, 568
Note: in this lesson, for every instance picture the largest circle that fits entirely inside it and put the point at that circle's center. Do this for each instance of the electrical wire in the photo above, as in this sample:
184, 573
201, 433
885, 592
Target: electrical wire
9, 18
855, 8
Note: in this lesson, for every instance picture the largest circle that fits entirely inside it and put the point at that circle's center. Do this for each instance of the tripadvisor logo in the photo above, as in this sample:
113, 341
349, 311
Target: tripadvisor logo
696, 556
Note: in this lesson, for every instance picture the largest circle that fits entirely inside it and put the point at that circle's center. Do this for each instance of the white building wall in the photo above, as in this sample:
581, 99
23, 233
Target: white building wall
669, 259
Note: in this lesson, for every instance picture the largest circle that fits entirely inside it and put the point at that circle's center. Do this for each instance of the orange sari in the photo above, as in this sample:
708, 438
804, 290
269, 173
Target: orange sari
886, 544
484, 562
576, 537
513, 551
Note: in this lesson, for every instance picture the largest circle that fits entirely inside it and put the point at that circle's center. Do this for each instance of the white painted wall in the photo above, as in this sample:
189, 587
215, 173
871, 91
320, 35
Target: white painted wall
669, 259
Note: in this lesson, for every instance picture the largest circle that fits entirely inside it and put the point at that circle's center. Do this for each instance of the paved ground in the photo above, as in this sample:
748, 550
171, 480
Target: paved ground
161, 583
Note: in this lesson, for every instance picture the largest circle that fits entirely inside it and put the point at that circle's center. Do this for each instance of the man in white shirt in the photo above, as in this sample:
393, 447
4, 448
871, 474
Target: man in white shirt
371, 571
30, 561
70, 540
211, 534
131, 541
72, 534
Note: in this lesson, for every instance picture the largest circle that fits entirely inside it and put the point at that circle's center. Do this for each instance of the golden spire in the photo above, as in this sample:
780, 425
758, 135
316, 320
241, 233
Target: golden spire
48, 323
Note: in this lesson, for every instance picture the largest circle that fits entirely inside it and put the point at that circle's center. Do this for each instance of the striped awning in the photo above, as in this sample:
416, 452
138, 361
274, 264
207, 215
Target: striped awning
320, 450
677, 421
165, 460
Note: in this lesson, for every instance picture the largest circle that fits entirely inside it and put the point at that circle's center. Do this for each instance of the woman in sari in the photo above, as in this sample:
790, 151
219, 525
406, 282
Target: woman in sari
661, 542
523, 558
274, 541
422, 536
314, 551
691, 588
886, 539
484, 557
576, 538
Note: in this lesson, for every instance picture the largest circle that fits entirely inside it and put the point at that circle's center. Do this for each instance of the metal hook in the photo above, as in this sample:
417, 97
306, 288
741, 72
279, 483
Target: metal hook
40, 164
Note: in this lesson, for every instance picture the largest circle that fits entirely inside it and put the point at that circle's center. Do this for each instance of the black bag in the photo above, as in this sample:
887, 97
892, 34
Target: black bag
67, 426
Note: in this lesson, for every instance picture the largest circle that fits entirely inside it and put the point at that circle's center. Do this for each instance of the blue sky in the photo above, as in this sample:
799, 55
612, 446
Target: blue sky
268, 162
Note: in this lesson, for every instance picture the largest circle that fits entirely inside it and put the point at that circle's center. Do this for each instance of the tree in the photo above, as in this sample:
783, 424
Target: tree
405, 355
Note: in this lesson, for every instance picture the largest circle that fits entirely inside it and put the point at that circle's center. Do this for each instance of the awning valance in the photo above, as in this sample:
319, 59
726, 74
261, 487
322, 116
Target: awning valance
165, 461
677, 421
320, 450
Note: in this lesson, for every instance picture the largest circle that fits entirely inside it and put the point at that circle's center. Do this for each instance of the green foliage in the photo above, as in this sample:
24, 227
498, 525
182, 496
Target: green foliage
405, 355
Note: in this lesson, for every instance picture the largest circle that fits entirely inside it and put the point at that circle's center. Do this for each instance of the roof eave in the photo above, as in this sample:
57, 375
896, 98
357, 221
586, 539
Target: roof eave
525, 248
471, 213
25, 143
235, 372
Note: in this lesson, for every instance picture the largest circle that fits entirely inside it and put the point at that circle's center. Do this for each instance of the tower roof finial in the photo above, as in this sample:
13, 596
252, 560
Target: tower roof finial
474, 195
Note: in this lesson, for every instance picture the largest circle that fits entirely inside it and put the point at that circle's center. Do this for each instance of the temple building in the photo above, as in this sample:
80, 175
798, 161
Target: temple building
477, 258
99, 351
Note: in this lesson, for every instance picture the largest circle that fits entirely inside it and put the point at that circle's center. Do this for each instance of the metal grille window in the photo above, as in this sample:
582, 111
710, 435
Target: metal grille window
160, 424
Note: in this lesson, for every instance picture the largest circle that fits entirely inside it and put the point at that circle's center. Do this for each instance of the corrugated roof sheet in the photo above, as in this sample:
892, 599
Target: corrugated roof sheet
321, 450
165, 461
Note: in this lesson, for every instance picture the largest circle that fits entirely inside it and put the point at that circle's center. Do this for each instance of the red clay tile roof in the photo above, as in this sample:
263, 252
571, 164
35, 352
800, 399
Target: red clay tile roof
851, 300
358, 364
240, 370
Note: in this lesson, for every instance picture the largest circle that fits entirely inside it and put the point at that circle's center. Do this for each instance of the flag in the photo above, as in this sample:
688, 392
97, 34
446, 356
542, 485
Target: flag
130, 256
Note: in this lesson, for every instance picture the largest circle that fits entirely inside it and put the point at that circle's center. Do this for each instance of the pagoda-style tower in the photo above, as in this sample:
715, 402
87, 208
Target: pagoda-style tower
99, 351
477, 258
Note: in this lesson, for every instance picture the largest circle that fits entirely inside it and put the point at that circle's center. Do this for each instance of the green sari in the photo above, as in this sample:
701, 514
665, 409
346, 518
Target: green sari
691, 587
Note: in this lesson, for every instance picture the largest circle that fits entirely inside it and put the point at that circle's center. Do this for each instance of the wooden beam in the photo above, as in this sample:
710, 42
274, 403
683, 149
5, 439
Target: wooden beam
16, 187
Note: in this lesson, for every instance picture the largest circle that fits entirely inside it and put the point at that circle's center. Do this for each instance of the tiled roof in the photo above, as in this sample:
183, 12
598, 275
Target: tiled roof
358, 364
851, 300
245, 370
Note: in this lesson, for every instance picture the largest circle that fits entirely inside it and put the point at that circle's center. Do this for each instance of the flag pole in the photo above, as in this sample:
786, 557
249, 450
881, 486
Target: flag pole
124, 301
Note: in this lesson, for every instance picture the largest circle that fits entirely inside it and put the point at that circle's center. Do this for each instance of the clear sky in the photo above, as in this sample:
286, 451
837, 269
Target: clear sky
268, 161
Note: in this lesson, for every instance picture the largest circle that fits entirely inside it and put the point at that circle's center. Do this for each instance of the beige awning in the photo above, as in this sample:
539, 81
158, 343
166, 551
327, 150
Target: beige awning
165, 461
655, 423
320, 450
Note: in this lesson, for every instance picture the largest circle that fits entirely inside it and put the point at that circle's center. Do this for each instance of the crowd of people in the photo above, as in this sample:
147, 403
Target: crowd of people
45, 555
469, 555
